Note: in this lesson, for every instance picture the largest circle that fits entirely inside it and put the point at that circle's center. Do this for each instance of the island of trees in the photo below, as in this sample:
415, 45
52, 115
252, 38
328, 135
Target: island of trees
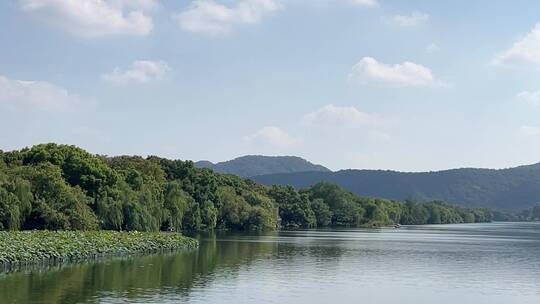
61, 187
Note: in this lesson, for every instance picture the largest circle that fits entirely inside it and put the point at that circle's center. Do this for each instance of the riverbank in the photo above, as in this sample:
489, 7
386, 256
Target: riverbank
29, 247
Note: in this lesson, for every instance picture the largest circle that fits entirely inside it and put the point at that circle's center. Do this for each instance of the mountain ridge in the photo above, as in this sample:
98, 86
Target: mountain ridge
513, 188
254, 165
506, 189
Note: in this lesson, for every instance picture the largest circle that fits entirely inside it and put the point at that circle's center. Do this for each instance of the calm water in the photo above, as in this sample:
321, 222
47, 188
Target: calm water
476, 263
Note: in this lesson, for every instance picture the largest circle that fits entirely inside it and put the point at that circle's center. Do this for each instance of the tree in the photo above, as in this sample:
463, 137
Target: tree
208, 215
345, 207
294, 208
110, 212
322, 212
10, 214
263, 214
57, 205
175, 204
78, 166
192, 218
376, 213
55, 187
536, 211
234, 211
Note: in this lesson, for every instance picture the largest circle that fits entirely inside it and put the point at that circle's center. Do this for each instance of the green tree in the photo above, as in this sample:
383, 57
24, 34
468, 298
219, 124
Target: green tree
79, 167
209, 215
57, 204
536, 212
234, 211
322, 212
176, 204
54, 186
192, 217
10, 215
294, 208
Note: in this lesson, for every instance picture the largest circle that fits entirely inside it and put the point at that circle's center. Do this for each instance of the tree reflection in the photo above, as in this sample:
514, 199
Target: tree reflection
134, 276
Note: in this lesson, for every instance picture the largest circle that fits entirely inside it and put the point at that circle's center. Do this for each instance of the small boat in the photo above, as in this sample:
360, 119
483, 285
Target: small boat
397, 226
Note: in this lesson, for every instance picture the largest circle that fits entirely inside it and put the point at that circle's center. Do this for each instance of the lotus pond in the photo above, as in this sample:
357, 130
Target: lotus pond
29, 247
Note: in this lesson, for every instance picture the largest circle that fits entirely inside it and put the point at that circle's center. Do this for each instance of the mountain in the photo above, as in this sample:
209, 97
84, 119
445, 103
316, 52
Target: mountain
253, 165
510, 189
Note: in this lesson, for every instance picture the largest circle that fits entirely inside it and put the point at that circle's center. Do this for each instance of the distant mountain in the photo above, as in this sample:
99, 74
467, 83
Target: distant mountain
253, 165
505, 189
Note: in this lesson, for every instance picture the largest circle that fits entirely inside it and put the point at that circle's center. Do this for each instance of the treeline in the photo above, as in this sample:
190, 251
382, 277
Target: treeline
527, 215
60, 187
512, 189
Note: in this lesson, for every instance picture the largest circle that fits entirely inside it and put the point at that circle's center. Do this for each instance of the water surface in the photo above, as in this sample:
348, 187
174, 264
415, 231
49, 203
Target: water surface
472, 263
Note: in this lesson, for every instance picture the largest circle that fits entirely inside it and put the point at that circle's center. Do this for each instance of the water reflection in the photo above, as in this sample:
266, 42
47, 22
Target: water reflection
130, 277
488, 263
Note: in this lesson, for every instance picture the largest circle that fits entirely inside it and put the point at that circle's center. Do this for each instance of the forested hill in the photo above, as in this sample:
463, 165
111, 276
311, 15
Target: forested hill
60, 187
510, 189
253, 165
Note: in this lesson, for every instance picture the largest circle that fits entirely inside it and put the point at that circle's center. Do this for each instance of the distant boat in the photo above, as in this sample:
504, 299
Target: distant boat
397, 226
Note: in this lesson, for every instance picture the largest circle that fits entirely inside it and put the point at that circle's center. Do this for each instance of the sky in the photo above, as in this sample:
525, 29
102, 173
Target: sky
367, 84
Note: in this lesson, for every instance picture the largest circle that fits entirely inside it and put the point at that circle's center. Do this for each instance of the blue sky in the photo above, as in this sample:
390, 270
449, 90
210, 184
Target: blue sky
405, 85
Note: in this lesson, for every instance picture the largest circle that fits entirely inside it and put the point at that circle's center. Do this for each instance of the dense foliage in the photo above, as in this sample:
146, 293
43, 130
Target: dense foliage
509, 190
60, 187
527, 215
35, 246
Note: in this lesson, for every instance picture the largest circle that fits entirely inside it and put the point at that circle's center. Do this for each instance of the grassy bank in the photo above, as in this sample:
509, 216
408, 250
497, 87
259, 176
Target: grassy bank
26, 247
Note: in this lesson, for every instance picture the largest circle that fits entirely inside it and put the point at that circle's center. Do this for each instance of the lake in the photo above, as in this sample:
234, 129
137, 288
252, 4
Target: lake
469, 263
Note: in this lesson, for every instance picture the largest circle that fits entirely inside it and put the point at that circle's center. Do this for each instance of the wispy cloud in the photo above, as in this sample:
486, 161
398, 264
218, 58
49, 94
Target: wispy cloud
331, 115
36, 95
524, 51
271, 136
140, 71
532, 98
211, 18
369, 71
412, 20
369, 3
94, 18
332, 123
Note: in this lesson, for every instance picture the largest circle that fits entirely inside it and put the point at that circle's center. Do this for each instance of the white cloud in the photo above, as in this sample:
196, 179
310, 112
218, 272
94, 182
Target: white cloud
524, 51
370, 3
532, 98
414, 19
209, 17
331, 115
147, 5
270, 136
94, 18
370, 71
432, 48
140, 71
35, 95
